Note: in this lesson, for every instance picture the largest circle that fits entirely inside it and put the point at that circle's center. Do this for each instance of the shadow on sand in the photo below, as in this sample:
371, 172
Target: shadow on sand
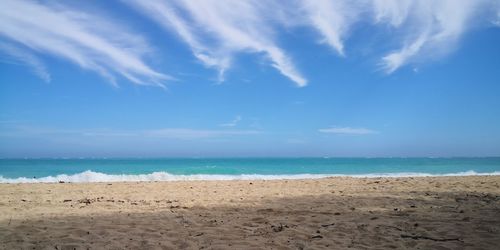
424, 221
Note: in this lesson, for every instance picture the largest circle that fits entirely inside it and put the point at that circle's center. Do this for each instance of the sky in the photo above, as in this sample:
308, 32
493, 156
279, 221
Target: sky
223, 78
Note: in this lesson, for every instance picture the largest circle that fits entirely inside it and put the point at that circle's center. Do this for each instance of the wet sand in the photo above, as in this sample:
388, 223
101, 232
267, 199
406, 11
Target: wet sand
331, 213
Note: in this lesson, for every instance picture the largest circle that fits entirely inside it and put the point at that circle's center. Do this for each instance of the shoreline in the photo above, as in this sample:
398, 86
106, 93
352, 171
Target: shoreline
335, 212
98, 177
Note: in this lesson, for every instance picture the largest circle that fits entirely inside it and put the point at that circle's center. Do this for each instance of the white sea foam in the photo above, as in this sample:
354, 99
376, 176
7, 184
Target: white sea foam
90, 176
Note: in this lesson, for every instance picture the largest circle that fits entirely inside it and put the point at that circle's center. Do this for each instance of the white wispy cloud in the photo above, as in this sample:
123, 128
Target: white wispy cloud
233, 122
393, 12
432, 27
90, 41
332, 19
497, 20
296, 141
185, 133
426, 29
22, 130
169, 18
27, 58
348, 131
216, 30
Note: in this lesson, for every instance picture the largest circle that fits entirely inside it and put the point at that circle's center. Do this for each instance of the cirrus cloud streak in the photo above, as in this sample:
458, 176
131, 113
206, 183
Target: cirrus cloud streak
348, 131
89, 41
215, 30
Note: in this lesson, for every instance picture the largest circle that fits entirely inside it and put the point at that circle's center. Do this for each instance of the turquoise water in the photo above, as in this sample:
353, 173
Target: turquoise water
88, 170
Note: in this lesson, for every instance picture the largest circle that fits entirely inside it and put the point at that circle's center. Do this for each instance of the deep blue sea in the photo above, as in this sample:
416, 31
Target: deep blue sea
170, 169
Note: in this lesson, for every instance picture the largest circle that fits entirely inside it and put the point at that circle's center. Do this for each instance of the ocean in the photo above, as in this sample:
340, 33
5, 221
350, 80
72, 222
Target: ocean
174, 169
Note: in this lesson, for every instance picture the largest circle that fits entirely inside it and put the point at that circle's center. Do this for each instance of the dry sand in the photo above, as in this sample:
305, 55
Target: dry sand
331, 213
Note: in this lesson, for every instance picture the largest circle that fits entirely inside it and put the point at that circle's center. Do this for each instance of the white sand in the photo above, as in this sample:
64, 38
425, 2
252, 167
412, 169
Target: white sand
331, 213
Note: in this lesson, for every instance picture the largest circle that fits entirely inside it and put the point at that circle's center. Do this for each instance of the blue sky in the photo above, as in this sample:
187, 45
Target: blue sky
249, 78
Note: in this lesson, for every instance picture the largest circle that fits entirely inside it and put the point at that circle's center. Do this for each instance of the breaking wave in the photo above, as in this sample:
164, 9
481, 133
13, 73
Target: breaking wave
90, 176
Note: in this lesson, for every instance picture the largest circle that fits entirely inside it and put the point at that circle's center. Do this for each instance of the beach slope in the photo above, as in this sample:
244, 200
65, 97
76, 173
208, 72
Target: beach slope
330, 213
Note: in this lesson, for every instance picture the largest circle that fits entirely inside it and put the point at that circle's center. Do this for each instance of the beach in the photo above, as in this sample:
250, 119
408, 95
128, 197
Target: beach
330, 213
